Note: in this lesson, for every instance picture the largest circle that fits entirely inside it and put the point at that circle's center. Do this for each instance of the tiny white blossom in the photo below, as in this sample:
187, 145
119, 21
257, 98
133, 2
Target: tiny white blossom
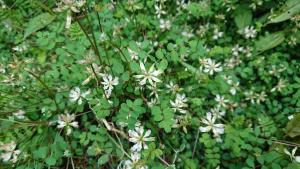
236, 50
173, 88
221, 101
108, 83
211, 66
159, 11
9, 152
139, 138
217, 112
217, 34
179, 103
249, 32
290, 117
209, 121
148, 75
292, 155
281, 84
164, 24
20, 114
67, 121
76, 95
133, 54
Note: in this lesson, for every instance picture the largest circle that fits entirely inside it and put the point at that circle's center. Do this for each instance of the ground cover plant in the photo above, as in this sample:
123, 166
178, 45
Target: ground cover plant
139, 84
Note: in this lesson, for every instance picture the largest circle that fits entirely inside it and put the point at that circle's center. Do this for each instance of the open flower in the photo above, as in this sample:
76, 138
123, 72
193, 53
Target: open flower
209, 121
9, 153
76, 95
148, 75
139, 138
69, 6
211, 66
108, 83
221, 101
67, 121
133, 54
179, 103
249, 32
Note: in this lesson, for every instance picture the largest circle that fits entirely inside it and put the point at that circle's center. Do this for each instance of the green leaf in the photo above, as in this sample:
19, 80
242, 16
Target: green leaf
41, 152
38, 23
269, 41
290, 9
242, 17
293, 127
117, 66
103, 159
50, 161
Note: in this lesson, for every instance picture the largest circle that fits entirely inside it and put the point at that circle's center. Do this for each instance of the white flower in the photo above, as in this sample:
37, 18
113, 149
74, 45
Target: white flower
187, 34
19, 114
250, 95
179, 103
108, 83
209, 121
221, 101
173, 88
211, 66
164, 24
152, 102
67, 121
261, 97
134, 162
281, 84
217, 112
154, 90
290, 117
159, 11
133, 54
150, 76
292, 155
249, 32
69, 6
236, 50
9, 153
234, 88
139, 138
217, 34
76, 95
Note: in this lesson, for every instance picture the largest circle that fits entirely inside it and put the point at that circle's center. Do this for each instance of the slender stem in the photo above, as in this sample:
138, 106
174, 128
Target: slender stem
45, 85
195, 144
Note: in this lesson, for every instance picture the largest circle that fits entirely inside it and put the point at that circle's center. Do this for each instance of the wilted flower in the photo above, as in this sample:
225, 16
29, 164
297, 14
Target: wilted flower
209, 121
173, 88
150, 76
139, 138
76, 95
9, 153
292, 155
281, 84
217, 112
67, 121
20, 114
69, 6
134, 162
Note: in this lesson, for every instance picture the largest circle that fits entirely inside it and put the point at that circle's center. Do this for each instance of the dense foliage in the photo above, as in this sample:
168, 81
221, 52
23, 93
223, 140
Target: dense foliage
142, 84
